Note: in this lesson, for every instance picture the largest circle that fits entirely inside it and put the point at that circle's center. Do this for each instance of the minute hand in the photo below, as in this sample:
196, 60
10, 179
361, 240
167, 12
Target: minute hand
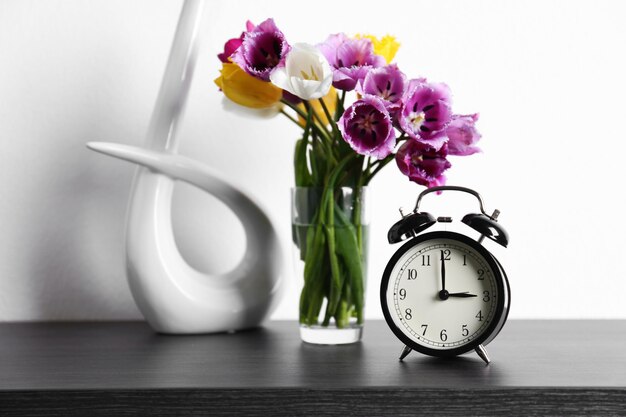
443, 272
461, 294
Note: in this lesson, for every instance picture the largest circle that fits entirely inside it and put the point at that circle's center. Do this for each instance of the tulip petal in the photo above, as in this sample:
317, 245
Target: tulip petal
306, 73
462, 135
426, 112
366, 126
246, 90
422, 163
351, 59
263, 49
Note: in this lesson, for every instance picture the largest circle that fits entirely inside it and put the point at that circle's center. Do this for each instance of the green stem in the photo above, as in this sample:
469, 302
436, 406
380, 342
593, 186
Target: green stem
402, 138
325, 136
379, 165
320, 130
356, 218
327, 150
348, 250
332, 263
288, 116
339, 105
294, 108
322, 133
333, 125
310, 109
337, 281
339, 168
328, 202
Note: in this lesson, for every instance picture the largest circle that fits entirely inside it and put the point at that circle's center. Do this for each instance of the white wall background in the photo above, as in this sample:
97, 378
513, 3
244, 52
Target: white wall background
546, 76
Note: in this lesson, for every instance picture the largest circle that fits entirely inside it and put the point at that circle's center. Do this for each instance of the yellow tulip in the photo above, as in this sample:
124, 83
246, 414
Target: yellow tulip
387, 46
330, 100
245, 90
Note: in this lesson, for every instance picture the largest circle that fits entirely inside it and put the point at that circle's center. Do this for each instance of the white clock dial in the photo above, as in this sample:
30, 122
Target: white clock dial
442, 294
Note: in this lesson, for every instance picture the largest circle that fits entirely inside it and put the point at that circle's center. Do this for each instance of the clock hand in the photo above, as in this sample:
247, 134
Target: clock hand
461, 294
443, 294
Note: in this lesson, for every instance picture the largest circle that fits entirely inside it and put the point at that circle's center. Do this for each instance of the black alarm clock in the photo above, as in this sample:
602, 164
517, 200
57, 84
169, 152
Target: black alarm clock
443, 293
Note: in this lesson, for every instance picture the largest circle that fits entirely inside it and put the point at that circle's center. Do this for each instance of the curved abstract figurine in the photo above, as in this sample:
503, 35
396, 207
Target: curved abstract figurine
174, 297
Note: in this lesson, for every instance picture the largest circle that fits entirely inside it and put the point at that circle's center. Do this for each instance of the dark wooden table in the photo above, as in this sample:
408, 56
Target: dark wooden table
538, 368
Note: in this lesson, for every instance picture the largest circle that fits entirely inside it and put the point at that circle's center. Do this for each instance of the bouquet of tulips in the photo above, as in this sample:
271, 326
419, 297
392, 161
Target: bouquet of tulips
358, 111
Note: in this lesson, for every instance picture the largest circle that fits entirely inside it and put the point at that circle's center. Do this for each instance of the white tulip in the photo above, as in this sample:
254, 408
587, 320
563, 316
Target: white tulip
306, 73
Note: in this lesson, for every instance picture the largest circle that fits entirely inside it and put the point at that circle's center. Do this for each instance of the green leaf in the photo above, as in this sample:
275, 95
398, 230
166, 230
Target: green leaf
321, 259
339, 106
336, 282
348, 250
303, 177
315, 270
316, 178
337, 279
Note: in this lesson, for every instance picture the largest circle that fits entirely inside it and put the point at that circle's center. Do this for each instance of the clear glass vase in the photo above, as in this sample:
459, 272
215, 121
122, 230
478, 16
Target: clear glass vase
330, 235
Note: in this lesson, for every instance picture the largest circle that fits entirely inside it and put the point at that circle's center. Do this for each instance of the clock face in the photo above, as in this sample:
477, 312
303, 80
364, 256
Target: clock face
443, 294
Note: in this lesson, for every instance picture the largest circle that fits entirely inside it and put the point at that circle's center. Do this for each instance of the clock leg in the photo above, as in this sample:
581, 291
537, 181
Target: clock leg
405, 352
480, 350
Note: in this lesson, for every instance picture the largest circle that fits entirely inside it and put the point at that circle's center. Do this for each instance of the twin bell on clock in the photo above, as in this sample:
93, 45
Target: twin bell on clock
443, 293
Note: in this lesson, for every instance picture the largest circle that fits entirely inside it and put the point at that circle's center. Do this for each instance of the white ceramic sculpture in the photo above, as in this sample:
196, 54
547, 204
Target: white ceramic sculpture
173, 296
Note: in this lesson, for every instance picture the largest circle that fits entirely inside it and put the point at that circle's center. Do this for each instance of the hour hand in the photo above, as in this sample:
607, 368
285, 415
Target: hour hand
461, 294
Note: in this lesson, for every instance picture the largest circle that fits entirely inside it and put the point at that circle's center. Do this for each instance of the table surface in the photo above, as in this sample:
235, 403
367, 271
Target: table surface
129, 355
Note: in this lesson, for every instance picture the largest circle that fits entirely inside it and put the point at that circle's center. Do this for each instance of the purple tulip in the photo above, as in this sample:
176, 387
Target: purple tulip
329, 47
462, 135
422, 163
426, 112
263, 49
351, 59
386, 82
230, 47
366, 126
233, 44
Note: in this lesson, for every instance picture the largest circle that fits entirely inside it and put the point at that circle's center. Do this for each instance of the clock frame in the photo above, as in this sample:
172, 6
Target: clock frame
410, 228
502, 302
